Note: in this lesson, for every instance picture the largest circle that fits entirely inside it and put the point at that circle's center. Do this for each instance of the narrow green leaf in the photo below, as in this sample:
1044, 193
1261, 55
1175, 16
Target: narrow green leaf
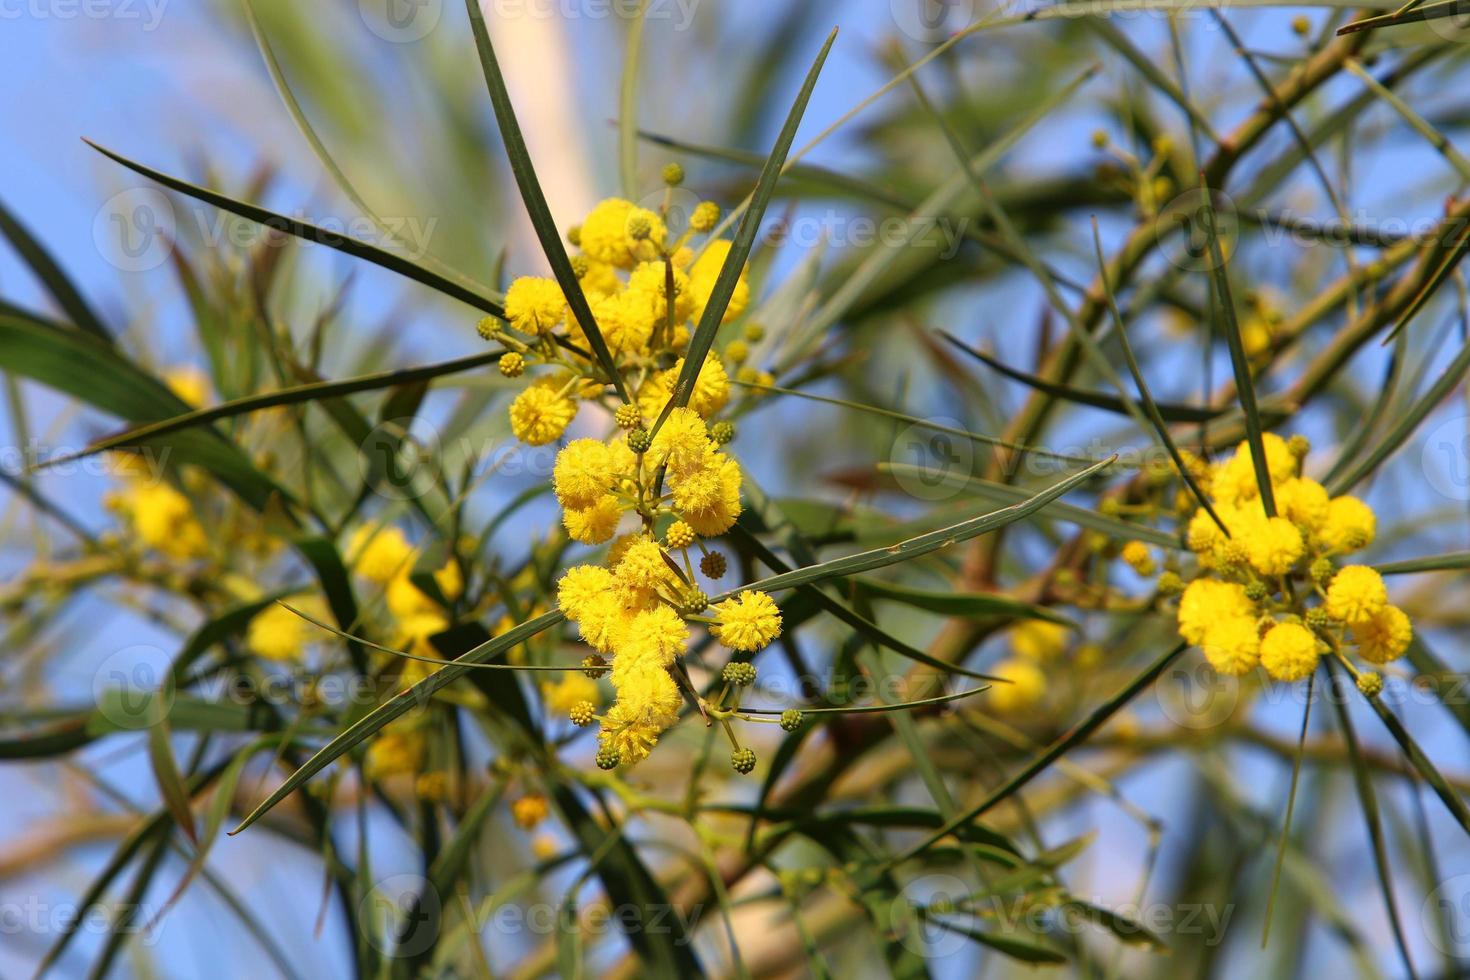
875, 709
1245, 389
1404, 427
966, 604
124, 925
1059, 510
1094, 399
1150, 407
1408, 14
1147, 65
916, 420
369, 725
845, 614
628, 105
309, 232
1456, 253
298, 115
1420, 125
1031, 951
724, 287
97, 374
1070, 740
52, 276
314, 391
923, 544
149, 830
535, 200
1296, 773
1125, 928
1451, 799
1452, 561
1368, 801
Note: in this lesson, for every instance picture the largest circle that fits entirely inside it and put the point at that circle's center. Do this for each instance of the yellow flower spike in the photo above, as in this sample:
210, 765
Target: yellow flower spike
405, 600
414, 631
1384, 636
398, 750
595, 524
434, 787
648, 703
189, 383
1232, 645
607, 233
1357, 594
1235, 479
580, 587
682, 442
1273, 546
603, 235
626, 319
1039, 640
1289, 652
1350, 525
535, 305
748, 622
583, 473
276, 633
709, 499
562, 696
604, 621
1207, 601
643, 567
1203, 535
650, 280
710, 394
1026, 687
540, 414
378, 554
706, 270
530, 810
1137, 556
653, 639
706, 215
164, 520
600, 279
1304, 502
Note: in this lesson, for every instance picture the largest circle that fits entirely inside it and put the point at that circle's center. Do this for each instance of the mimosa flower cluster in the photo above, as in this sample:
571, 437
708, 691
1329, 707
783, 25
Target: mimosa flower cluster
663, 472
1271, 589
